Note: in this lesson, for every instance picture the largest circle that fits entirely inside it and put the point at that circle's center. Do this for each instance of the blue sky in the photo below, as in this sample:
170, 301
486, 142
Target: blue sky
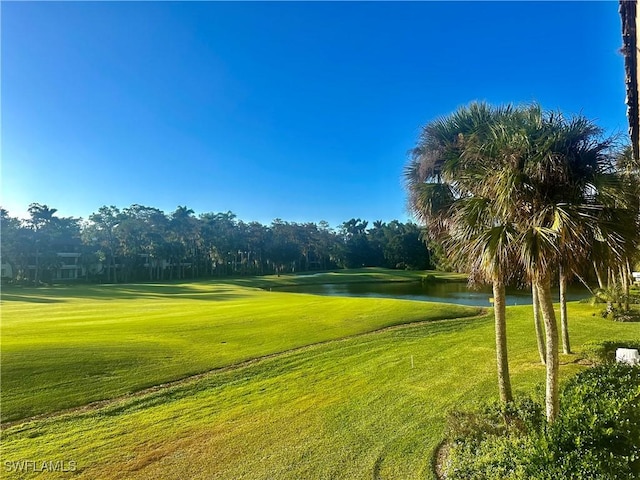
302, 111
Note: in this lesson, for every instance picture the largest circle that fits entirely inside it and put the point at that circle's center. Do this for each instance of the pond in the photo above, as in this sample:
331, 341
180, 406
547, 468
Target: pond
450, 292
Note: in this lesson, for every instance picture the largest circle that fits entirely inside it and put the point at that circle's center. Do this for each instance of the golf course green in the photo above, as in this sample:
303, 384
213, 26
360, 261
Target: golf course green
226, 379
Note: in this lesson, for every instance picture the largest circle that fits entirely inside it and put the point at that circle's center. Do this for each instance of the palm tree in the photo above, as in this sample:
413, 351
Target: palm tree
101, 230
487, 180
628, 170
41, 221
515, 179
587, 160
563, 167
446, 180
486, 246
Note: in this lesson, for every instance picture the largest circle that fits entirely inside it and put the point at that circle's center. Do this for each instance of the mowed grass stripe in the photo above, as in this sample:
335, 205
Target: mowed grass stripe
349, 409
66, 347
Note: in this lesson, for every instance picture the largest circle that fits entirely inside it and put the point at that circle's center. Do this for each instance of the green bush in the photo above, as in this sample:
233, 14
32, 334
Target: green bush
620, 315
596, 435
495, 419
486, 444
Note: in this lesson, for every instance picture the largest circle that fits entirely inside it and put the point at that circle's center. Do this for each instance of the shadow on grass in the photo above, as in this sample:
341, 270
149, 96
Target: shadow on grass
366, 275
63, 293
27, 298
443, 326
219, 289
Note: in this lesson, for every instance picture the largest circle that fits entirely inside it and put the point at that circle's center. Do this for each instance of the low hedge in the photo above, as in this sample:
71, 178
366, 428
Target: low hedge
596, 435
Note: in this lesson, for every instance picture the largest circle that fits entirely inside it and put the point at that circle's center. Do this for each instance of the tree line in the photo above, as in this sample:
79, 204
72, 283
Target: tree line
141, 243
517, 194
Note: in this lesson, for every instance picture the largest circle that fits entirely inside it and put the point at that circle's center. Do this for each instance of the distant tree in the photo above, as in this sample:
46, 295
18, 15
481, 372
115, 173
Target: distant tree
142, 234
15, 247
219, 232
143, 243
100, 231
41, 222
404, 246
284, 248
48, 234
357, 249
185, 230
328, 246
378, 239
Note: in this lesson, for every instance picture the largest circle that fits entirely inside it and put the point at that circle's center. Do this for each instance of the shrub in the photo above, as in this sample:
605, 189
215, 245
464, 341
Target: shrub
495, 419
596, 435
620, 315
485, 444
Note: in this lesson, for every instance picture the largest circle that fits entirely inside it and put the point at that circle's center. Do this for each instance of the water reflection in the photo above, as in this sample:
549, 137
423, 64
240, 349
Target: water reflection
457, 292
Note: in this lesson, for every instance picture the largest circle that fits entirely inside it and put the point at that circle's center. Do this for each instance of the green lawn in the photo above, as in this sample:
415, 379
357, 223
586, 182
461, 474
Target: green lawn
67, 346
369, 406
357, 275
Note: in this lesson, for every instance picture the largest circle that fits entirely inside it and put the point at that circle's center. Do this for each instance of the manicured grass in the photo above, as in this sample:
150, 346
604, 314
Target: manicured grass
348, 409
67, 346
358, 275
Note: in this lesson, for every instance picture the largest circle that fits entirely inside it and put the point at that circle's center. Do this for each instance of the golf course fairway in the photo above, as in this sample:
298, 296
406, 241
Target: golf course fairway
218, 380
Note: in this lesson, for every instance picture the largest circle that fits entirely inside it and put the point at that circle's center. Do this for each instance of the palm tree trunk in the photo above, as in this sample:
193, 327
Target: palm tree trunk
553, 363
625, 289
37, 272
627, 284
504, 381
598, 276
537, 322
113, 264
564, 321
614, 283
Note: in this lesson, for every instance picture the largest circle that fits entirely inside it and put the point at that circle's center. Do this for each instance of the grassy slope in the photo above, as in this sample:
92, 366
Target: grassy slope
357, 275
348, 409
64, 347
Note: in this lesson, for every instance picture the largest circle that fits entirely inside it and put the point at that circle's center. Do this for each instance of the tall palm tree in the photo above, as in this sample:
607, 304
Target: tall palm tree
517, 183
564, 165
487, 180
586, 157
628, 170
485, 244
445, 181
41, 221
